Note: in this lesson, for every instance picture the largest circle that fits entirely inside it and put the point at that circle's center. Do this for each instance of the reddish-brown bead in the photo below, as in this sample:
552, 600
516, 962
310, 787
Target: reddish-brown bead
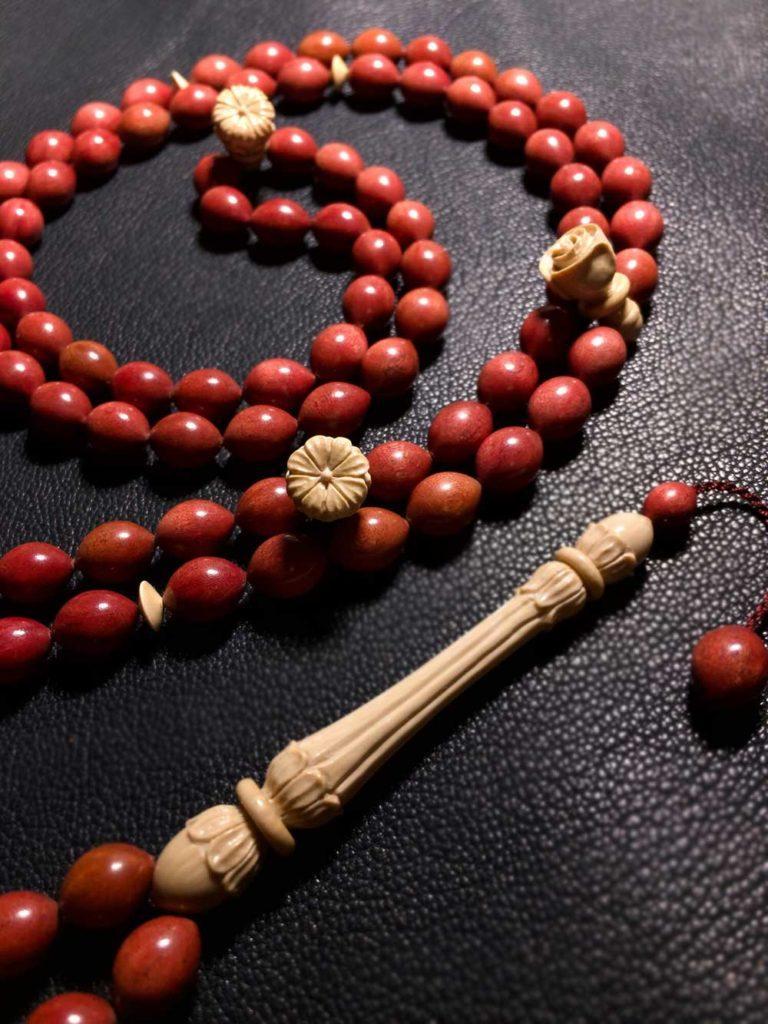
225, 210
368, 301
580, 215
287, 565
280, 222
255, 79
378, 40
280, 382
155, 966
670, 505
323, 45
43, 335
5, 338
730, 666
337, 226
95, 624
426, 264
115, 553
52, 184
145, 90
88, 364
268, 56
266, 508
562, 110
518, 84
626, 178
389, 367
292, 151
58, 412
444, 503
547, 333
469, 99
368, 541
636, 225
337, 166
13, 179
509, 459
303, 80
117, 429
377, 189
73, 1008
194, 528
184, 440
192, 106
431, 48
106, 886
34, 573
396, 467
423, 84
337, 409
15, 260
144, 126
21, 220
597, 356
28, 926
260, 433
458, 430
376, 252
547, 150
20, 376
575, 185
410, 221
214, 69
641, 269
204, 589
49, 144
210, 393
372, 77
337, 352
510, 124
95, 115
507, 381
597, 143
559, 407
422, 315
474, 62
144, 385
216, 169
24, 646
97, 152
18, 296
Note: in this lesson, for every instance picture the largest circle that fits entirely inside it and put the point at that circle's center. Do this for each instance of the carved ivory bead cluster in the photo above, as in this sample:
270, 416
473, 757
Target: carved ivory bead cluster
306, 785
581, 267
328, 478
244, 120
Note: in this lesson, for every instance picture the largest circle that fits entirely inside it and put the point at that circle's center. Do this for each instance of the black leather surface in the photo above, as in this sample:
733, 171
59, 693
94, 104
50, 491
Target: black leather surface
571, 842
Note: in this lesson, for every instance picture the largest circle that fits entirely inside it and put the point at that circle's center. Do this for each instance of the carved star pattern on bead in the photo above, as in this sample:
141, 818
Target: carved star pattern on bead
328, 478
244, 120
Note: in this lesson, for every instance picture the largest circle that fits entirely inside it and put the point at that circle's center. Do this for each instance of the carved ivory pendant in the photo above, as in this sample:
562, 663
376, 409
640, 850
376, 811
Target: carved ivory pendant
217, 853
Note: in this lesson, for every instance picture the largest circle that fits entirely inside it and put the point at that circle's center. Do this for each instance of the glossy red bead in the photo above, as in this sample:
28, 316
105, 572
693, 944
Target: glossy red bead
337, 226
423, 84
597, 143
95, 624
280, 222
574, 185
145, 90
268, 56
194, 528
597, 356
225, 210
422, 315
73, 1008
546, 334
5, 338
444, 504
469, 99
426, 264
510, 124
431, 48
34, 573
204, 589
214, 69
370, 540
21, 220
337, 166
255, 79
303, 80
287, 565
216, 169
670, 505
389, 367
144, 385
509, 459
96, 152
15, 260
210, 393
507, 381
337, 352
155, 966
626, 178
24, 646
281, 382
58, 412
184, 440
117, 430
18, 296
89, 364
641, 269
582, 215
458, 430
192, 106
260, 433
410, 221
559, 407
730, 665
49, 144
336, 409
372, 77
562, 110
292, 151
323, 45
52, 184
93, 116
636, 225
28, 926
115, 553
144, 126
266, 508
43, 335
396, 467
474, 62
377, 189
13, 179
368, 301
20, 376
106, 886
546, 150
376, 252
518, 84
378, 40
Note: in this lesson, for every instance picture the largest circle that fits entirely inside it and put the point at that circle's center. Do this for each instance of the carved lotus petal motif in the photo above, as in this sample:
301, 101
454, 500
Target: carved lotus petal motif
232, 852
244, 120
299, 790
328, 478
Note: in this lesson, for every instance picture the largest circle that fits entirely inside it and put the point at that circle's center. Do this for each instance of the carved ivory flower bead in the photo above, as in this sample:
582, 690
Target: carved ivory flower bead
244, 120
328, 478
581, 263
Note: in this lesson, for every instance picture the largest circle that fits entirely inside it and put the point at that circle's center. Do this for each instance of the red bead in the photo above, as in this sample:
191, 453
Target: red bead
368, 541
24, 646
267, 509
426, 264
225, 210
323, 45
457, 431
376, 252
260, 433
286, 565
559, 407
292, 150
303, 80
216, 169
469, 99
204, 589
423, 84
115, 553
377, 189
410, 221
106, 886
214, 70
144, 385
184, 440
372, 77
396, 467
597, 356
34, 573
510, 124
13, 179
255, 79
626, 178
575, 185
43, 335
422, 315
145, 90
509, 459
444, 503
73, 1008
95, 115
474, 62
730, 665
52, 183
268, 56
280, 222
337, 226
58, 412
431, 48
507, 381
5, 338
561, 110
21, 220
641, 269
597, 143
582, 215
280, 382
518, 84
192, 106
117, 429
369, 301
378, 40
390, 367
97, 151
636, 225
155, 966
546, 334
546, 150
88, 364
194, 528
337, 165
49, 144
210, 393
18, 296
95, 624
20, 376
28, 926
337, 352
670, 505
144, 126
337, 409
15, 260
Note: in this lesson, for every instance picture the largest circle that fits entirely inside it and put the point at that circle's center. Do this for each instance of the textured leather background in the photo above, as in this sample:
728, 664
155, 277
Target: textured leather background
571, 842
